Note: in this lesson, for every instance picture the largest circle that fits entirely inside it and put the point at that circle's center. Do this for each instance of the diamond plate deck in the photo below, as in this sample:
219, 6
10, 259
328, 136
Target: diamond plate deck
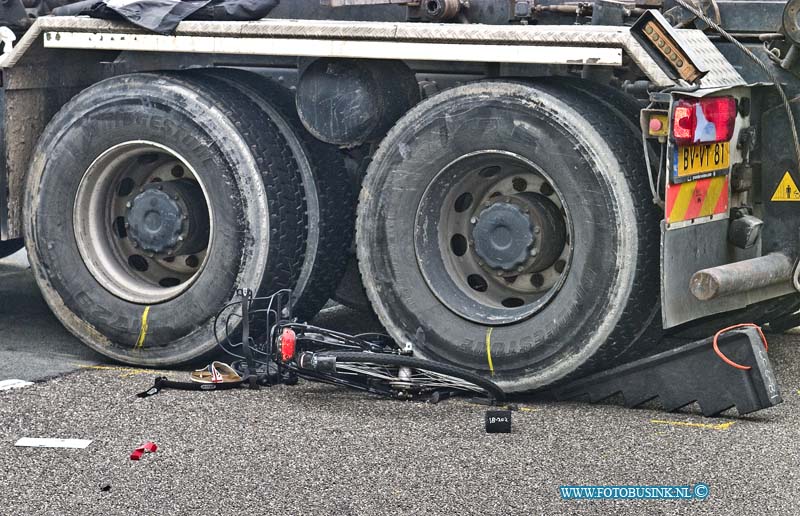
722, 73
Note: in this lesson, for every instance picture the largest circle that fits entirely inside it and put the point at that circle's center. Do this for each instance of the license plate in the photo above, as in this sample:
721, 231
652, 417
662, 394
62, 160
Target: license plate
702, 158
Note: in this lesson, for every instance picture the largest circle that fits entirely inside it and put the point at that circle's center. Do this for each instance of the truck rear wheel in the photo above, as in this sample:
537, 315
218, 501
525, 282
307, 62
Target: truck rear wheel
508, 228
330, 200
146, 210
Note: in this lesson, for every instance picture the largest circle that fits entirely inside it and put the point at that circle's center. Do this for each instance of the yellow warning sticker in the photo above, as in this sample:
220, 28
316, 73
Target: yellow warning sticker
787, 190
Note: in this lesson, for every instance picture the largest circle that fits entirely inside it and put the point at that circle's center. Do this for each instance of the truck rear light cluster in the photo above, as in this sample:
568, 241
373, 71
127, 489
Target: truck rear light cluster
707, 120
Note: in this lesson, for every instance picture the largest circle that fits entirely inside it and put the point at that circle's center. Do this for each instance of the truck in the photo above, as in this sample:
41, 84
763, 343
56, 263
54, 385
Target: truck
531, 189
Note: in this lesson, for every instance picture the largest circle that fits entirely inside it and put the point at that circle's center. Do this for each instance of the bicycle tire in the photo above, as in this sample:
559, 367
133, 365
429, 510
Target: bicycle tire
388, 359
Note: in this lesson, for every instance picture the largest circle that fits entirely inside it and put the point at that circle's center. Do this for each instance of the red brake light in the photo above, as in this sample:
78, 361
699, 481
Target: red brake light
288, 340
684, 122
707, 120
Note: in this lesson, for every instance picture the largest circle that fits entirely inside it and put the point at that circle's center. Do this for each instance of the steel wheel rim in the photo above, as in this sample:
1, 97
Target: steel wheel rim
455, 203
106, 196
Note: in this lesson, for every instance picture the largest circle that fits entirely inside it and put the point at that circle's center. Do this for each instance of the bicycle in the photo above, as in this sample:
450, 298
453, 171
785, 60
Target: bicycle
271, 347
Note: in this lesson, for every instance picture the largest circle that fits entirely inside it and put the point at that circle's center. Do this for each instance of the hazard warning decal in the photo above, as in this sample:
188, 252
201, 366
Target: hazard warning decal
696, 199
787, 190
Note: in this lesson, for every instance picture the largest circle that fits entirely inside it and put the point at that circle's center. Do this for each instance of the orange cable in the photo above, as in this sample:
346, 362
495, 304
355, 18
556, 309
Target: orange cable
729, 328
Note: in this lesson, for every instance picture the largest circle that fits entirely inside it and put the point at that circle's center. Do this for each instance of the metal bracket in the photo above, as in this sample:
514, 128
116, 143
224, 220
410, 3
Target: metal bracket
690, 373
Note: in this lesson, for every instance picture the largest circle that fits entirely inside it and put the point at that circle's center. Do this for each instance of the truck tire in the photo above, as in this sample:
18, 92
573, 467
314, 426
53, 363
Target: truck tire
330, 200
508, 228
350, 291
141, 165
9, 247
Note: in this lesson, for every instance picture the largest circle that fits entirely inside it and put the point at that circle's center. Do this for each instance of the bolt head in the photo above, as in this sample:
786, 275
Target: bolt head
474, 220
180, 238
537, 229
534, 252
128, 204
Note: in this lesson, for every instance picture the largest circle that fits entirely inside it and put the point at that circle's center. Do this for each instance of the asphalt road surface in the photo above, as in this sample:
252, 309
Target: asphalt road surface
33, 344
311, 449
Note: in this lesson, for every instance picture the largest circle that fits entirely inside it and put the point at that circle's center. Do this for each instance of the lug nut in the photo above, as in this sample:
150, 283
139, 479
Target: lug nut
128, 204
473, 220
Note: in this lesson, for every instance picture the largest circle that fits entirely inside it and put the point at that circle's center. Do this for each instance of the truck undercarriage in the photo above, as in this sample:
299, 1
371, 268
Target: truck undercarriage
533, 190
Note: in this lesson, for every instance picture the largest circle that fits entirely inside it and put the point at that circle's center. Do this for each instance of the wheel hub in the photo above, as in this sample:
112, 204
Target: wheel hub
502, 245
503, 236
168, 218
155, 220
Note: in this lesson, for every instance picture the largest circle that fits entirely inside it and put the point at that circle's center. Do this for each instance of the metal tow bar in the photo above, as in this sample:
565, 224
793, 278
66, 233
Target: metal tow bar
693, 372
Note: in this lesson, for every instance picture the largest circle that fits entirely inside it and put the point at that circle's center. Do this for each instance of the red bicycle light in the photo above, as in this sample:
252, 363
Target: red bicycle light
707, 120
288, 340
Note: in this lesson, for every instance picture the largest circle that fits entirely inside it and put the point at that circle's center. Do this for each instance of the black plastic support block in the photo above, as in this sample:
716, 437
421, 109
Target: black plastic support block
688, 374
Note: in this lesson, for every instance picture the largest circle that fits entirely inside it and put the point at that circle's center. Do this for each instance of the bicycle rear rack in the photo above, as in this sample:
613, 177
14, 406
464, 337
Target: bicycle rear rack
687, 374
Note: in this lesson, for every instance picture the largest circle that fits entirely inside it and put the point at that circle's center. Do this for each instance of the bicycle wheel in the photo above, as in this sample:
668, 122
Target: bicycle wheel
412, 375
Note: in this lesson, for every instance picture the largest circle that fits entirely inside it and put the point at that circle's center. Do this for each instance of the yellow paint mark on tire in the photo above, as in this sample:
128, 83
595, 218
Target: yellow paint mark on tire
707, 426
489, 350
143, 329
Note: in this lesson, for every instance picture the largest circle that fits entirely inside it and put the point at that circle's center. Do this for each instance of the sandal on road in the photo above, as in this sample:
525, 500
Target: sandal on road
216, 372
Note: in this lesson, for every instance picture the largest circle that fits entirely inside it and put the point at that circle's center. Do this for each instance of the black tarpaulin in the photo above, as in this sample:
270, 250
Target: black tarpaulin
163, 16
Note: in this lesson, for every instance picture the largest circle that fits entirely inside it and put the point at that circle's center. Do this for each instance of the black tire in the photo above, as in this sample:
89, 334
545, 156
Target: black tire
350, 291
625, 107
387, 359
257, 225
329, 196
9, 247
609, 301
